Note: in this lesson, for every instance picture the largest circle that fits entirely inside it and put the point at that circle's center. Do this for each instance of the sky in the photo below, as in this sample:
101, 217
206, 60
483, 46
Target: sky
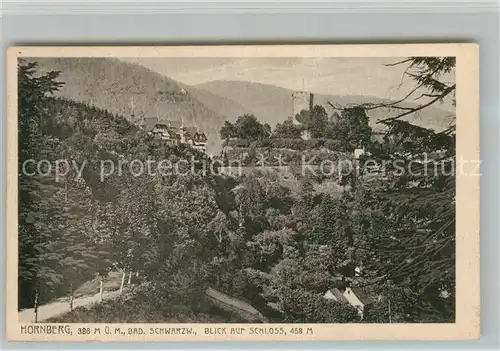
323, 75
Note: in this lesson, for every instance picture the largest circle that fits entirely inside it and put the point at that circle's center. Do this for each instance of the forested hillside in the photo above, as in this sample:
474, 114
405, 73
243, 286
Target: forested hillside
74, 225
128, 89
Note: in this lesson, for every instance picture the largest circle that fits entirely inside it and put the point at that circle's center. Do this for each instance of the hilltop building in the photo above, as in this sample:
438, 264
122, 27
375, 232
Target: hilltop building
174, 133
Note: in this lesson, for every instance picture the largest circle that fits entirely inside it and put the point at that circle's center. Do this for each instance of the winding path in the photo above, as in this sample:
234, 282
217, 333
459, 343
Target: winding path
61, 306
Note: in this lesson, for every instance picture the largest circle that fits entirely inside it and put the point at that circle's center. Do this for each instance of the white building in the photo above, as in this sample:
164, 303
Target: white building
353, 296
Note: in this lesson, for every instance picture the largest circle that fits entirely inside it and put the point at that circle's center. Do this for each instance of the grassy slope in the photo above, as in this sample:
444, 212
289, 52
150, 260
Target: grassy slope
110, 283
273, 104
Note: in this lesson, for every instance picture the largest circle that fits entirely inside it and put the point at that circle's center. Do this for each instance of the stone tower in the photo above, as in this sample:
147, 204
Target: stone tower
301, 100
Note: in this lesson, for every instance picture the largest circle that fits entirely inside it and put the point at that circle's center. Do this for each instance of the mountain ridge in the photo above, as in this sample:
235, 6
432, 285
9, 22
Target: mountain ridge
133, 91
274, 103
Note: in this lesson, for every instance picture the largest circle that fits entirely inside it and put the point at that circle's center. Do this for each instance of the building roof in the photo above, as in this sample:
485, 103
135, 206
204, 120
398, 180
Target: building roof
162, 125
360, 294
174, 129
199, 136
173, 124
170, 125
192, 132
338, 295
338, 284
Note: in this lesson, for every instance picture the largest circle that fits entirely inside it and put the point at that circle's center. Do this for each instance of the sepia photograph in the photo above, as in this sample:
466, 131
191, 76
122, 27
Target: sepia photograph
244, 193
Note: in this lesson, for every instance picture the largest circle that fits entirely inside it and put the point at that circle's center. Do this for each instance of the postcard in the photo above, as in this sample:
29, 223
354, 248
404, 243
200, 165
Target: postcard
246, 193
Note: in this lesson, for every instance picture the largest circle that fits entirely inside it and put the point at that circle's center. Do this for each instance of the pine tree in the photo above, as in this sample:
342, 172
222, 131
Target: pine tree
408, 238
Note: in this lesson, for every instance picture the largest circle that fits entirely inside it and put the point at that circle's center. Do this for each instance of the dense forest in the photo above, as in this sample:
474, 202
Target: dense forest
250, 237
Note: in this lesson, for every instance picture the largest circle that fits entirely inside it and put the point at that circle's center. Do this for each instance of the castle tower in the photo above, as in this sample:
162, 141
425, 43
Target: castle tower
301, 100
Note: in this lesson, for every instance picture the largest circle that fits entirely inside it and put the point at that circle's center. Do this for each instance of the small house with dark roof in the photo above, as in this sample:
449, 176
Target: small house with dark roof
335, 295
194, 137
354, 296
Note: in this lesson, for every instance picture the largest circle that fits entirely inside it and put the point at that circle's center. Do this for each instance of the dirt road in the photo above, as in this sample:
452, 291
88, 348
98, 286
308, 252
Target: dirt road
61, 306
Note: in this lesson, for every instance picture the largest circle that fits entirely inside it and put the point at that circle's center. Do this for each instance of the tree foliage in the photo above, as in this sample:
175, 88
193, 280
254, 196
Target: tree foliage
351, 129
53, 212
287, 130
314, 121
408, 242
245, 127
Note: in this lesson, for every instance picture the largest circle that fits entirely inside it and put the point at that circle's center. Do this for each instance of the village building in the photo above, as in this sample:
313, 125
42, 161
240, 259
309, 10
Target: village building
175, 133
354, 296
